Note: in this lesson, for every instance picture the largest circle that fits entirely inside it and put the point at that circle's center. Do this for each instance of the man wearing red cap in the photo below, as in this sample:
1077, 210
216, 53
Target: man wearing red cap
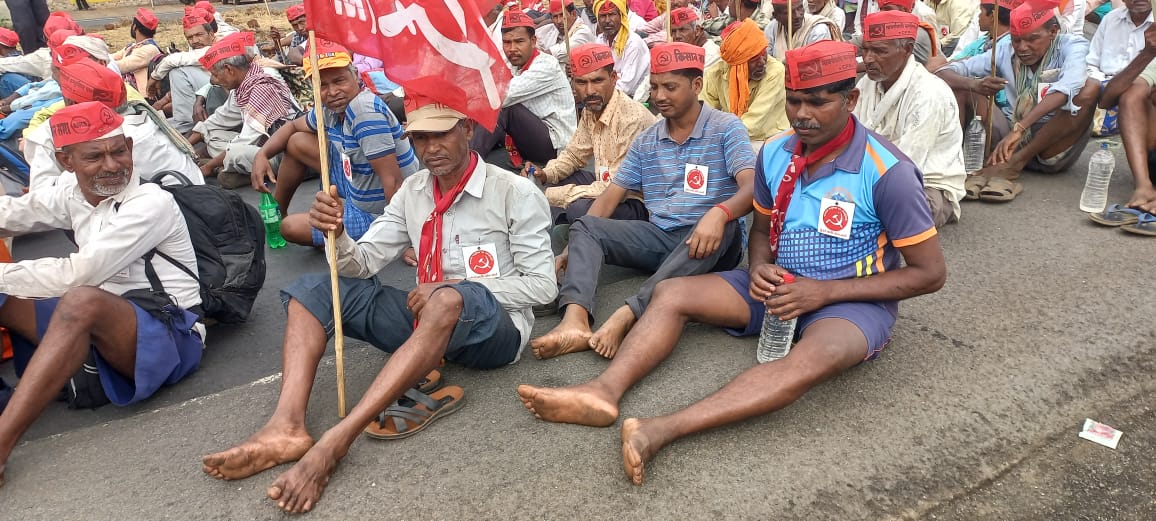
738, 11
654, 31
295, 41
916, 7
550, 35
687, 28
748, 83
537, 116
133, 61
38, 63
97, 306
836, 208
10, 81
256, 101
484, 260
630, 57
926, 40
1118, 40
223, 27
1042, 128
694, 169
911, 107
808, 28
183, 70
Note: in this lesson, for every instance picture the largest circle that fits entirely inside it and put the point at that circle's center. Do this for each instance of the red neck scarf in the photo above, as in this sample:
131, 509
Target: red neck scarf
526, 66
429, 249
799, 165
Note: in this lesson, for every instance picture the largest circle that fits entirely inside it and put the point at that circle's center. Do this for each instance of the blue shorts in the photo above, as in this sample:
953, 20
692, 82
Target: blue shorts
873, 319
165, 354
484, 337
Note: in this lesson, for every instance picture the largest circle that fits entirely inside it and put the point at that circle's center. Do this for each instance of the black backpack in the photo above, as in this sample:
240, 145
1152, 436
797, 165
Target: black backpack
229, 239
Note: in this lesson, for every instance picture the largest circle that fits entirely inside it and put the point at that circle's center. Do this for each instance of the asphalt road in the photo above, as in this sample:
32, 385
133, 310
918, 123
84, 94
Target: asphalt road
1045, 320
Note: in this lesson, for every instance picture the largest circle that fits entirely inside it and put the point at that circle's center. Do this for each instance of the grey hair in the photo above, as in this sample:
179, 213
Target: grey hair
240, 62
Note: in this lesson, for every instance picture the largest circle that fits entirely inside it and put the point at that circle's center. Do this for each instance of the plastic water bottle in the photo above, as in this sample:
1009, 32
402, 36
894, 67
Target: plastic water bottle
776, 336
1095, 195
973, 144
271, 216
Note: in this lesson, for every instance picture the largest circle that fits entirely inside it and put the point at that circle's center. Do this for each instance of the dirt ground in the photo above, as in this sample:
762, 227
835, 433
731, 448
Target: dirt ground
252, 18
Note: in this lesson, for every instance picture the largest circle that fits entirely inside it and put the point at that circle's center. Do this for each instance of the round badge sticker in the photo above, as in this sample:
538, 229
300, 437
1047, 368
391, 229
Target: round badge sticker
835, 218
605, 175
481, 262
694, 179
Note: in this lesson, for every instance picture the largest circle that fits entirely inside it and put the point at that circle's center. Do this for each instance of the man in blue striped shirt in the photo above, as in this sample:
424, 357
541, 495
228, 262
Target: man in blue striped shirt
695, 170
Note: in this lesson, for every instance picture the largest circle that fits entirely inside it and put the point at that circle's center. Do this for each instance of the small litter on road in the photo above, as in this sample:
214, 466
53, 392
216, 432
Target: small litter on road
1097, 432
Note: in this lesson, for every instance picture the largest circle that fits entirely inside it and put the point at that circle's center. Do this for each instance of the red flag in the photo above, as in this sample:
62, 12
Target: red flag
440, 49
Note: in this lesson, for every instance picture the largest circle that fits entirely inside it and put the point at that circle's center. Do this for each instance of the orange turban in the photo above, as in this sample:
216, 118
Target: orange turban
744, 41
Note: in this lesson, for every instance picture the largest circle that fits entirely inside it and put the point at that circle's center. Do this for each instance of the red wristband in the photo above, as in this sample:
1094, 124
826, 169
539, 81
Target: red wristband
730, 216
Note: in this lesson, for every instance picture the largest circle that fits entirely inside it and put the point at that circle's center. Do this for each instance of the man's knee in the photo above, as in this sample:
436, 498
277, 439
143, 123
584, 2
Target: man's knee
444, 306
1134, 102
302, 146
1089, 95
80, 304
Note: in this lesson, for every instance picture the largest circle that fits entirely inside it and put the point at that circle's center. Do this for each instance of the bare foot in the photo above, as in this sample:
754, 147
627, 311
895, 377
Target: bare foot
269, 447
1143, 199
584, 404
559, 341
299, 489
606, 340
637, 449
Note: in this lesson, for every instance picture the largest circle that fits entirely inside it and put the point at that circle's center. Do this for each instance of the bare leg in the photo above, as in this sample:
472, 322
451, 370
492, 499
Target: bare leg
284, 437
606, 340
827, 348
705, 298
1138, 131
1056, 136
571, 335
299, 489
85, 317
295, 229
300, 153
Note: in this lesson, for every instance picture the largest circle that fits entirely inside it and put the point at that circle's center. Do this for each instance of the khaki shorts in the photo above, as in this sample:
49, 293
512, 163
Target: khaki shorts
942, 211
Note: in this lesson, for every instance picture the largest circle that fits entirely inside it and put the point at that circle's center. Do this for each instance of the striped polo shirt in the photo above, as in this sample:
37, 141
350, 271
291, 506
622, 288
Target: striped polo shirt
367, 130
657, 167
890, 208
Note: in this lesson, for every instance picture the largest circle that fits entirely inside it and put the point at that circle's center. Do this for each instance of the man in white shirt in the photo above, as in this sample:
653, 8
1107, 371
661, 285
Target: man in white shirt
184, 71
808, 28
152, 150
1118, 40
686, 27
631, 56
72, 306
484, 260
911, 107
537, 118
550, 35
953, 17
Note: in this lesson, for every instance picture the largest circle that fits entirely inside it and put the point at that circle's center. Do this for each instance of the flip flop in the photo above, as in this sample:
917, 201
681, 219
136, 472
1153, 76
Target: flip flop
974, 185
1116, 215
402, 421
1000, 190
1146, 226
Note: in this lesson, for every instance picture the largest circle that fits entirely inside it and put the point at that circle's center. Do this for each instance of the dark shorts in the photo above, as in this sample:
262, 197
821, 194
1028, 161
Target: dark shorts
165, 354
873, 319
484, 337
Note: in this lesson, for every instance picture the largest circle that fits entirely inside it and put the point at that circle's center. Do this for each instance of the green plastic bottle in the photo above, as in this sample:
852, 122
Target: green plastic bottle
271, 215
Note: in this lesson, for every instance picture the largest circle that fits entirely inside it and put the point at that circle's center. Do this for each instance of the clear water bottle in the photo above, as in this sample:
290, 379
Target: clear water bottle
1095, 195
973, 144
776, 336
271, 216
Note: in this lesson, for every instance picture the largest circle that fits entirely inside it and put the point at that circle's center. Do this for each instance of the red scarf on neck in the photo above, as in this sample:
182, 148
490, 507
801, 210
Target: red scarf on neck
799, 165
429, 250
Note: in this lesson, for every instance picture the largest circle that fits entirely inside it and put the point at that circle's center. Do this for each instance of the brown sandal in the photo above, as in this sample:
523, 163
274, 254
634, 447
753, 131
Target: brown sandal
408, 417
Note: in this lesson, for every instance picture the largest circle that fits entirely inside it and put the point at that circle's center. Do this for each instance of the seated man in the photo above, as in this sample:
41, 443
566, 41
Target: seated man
223, 27
686, 27
185, 75
38, 64
737, 12
829, 9
609, 124
654, 31
256, 101
537, 117
1132, 87
1118, 40
808, 28
631, 60
10, 81
485, 257
748, 83
926, 40
694, 169
994, 19
153, 150
912, 108
845, 314
98, 300
369, 154
550, 35
1041, 72
952, 17
133, 61
294, 42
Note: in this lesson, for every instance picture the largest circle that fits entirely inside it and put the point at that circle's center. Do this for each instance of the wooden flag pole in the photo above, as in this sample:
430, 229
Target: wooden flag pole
991, 102
790, 25
566, 30
267, 9
330, 237
667, 14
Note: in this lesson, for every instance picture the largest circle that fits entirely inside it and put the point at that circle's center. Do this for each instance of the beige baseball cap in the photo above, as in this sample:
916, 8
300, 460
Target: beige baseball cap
432, 117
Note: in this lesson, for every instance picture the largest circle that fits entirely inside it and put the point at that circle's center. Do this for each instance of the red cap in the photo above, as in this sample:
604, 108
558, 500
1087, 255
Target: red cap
228, 47
207, 6
68, 54
1031, 16
608, 7
986, 2
195, 16
673, 56
8, 37
907, 5
890, 25
682, 16
516, 18
556, 5
58, 37
59, 21
294, 12
87, 80
84, 122
821, 63
590, 57
147, 19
